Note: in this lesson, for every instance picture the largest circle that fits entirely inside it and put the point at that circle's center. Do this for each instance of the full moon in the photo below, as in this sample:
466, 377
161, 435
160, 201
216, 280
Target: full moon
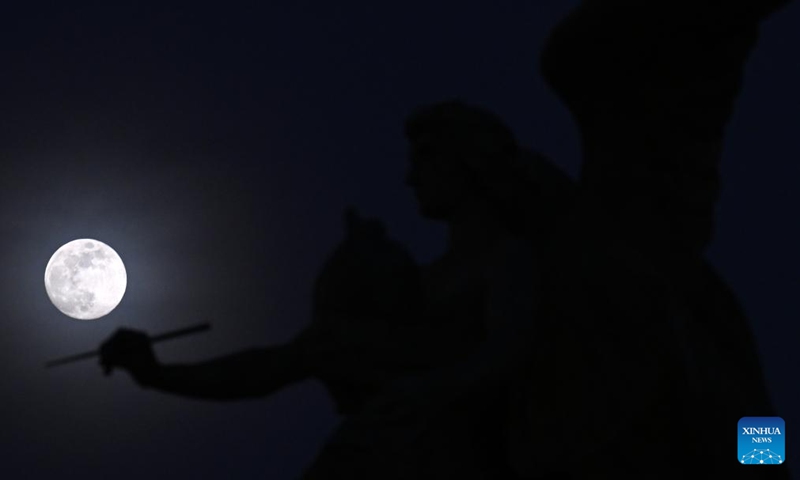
85, 279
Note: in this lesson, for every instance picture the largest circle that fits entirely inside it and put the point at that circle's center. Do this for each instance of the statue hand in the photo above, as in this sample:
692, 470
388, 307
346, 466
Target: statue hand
129, 350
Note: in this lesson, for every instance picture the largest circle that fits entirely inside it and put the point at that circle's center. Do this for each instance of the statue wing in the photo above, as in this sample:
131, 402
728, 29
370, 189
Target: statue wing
652, 86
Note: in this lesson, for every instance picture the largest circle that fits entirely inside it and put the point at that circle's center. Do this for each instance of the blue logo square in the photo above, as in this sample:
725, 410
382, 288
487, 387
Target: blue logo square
762, 441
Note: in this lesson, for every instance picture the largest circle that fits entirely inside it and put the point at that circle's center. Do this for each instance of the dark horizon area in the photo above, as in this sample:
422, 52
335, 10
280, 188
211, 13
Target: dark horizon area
216, 148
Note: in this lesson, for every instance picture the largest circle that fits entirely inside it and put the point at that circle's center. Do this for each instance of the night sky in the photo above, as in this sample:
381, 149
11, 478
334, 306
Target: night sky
215, 148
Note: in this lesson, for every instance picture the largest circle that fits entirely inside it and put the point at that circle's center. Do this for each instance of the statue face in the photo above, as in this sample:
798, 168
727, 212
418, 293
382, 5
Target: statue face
441, 184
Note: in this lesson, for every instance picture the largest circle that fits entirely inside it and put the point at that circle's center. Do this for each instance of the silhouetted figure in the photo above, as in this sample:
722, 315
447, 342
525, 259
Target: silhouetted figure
395, 344
564, 322
418, 360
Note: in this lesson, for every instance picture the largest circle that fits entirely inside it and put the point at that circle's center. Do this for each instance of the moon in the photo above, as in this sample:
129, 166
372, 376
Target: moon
85, 279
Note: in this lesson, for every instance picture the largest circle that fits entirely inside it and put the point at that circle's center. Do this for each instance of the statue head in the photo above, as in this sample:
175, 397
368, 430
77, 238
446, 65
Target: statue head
451, 146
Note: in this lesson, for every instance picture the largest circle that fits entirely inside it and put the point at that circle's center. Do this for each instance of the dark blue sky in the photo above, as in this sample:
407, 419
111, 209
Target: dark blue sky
214, 148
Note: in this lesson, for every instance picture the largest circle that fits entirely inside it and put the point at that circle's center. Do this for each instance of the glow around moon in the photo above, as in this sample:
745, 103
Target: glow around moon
85, 279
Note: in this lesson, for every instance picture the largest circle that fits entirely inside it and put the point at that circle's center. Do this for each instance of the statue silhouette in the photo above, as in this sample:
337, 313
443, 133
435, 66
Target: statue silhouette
570, 330
393, 342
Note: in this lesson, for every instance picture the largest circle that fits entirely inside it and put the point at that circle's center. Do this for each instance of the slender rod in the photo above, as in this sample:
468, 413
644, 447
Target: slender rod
153, 339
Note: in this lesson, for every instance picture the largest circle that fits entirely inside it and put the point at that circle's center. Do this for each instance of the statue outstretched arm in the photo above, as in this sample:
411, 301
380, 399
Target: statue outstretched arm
258, 372
250, 373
